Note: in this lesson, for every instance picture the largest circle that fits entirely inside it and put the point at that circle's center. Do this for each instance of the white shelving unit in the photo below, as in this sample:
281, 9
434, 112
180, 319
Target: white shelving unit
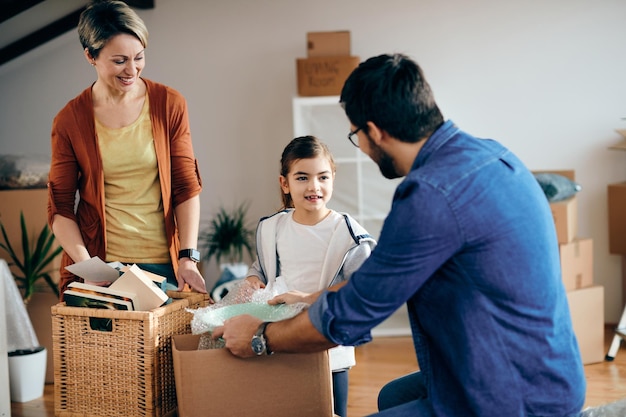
360, 189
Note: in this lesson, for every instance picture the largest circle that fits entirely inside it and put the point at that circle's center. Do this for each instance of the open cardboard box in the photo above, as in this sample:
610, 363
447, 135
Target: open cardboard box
213, 382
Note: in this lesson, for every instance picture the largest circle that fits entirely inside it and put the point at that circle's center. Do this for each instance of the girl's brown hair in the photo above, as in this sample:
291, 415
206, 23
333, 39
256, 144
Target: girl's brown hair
303, 147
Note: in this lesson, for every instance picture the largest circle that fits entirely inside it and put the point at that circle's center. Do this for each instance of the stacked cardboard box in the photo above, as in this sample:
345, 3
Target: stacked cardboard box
617, 219
328, 64
586, 300
617, 240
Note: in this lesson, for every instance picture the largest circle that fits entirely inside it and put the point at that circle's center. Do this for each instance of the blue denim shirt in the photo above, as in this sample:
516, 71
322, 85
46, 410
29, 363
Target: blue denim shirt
470, 246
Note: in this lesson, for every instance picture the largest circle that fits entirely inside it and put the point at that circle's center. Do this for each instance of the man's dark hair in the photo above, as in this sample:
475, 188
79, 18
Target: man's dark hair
391, 91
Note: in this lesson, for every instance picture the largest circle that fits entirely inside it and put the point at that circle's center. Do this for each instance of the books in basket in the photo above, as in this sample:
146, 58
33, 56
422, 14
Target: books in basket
136, 281
79, 294
133, 283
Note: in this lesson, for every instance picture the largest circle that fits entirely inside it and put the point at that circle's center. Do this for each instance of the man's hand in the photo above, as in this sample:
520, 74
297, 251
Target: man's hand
188, 273
237, 333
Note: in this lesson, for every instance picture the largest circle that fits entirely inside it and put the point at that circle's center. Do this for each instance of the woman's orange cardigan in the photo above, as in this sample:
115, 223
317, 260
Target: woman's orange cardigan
76, 165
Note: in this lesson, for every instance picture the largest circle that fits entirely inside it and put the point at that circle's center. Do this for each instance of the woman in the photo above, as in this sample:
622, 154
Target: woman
124, 183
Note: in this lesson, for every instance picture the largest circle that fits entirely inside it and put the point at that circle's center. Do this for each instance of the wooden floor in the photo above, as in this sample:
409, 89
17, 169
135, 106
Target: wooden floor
389, 357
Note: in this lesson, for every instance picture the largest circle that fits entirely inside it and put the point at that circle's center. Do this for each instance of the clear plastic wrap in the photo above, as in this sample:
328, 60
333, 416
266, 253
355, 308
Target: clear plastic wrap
241, 299
614, 409
20, 332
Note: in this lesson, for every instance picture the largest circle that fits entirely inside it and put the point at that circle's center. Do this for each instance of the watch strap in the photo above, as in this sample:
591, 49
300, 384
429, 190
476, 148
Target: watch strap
267, 345
191, 253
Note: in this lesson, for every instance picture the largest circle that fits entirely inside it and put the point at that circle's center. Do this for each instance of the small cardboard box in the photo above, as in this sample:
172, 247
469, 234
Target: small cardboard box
617, 218
335, 43
565, 214
324, 76
577, 263
213, 382
587, 311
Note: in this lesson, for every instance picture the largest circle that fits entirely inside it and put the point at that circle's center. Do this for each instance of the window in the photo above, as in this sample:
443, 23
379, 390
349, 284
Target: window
360, 188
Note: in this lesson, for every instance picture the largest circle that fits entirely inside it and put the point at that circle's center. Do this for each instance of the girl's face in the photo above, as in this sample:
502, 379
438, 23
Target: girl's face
119, 63
310, 183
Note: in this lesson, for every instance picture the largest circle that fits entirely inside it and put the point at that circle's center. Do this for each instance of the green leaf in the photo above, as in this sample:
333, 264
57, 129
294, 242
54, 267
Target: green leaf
37, 255
227, 236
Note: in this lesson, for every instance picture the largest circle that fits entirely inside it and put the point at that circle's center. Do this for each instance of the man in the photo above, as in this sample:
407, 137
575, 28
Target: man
469, 245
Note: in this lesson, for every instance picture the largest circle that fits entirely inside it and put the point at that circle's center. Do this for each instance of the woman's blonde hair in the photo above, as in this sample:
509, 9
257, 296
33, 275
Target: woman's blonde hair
102, 20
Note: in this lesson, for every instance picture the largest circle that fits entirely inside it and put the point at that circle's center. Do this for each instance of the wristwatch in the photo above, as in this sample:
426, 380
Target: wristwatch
259, 343
192, 254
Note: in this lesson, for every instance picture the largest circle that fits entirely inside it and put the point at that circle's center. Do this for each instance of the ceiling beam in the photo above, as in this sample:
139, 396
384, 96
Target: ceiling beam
52, 30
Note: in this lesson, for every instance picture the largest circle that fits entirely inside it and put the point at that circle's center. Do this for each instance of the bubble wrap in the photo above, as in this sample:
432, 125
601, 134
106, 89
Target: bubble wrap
20, 332
614, 409
241, 299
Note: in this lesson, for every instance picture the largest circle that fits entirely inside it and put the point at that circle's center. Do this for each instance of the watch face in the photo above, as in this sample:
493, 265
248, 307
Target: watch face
258, 345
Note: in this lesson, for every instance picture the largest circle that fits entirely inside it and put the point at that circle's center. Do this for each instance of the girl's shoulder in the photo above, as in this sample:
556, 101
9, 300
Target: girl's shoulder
358, 233
275, 216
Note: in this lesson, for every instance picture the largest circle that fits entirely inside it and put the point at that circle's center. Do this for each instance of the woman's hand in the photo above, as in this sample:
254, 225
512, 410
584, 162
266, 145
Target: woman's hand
188, 273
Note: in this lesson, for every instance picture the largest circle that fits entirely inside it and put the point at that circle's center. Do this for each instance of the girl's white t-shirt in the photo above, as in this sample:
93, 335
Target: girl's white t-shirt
302, 250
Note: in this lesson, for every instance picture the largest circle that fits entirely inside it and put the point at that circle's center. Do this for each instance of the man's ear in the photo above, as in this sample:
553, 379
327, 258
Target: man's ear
375, 133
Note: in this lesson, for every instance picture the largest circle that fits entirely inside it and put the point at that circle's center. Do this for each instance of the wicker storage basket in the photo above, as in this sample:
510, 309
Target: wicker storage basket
126, 371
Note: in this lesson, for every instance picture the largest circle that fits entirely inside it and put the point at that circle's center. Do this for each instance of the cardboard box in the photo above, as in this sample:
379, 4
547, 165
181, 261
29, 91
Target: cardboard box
324, 76
587, 311
577, 263
213, 382
565, 214
617, 218
335, 43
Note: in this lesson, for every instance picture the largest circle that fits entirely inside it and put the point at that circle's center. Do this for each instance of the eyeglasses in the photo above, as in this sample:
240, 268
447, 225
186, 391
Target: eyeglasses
351, 134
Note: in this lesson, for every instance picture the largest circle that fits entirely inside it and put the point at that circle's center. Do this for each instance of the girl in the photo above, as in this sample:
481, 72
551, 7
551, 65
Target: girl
309, 245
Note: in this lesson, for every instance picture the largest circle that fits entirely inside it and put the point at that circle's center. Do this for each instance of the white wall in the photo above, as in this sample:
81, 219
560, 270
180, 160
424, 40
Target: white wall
543, 77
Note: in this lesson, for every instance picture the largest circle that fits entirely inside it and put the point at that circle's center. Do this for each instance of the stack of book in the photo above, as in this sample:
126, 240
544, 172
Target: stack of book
131, 287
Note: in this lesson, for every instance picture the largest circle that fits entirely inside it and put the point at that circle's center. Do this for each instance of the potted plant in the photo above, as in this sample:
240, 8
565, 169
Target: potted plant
27, 358
37, 255
227, 238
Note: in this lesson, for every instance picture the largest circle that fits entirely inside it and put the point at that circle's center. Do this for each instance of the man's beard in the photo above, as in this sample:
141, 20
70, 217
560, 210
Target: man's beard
384, 161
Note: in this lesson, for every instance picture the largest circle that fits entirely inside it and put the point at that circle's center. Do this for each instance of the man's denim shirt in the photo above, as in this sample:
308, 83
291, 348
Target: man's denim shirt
470, 246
